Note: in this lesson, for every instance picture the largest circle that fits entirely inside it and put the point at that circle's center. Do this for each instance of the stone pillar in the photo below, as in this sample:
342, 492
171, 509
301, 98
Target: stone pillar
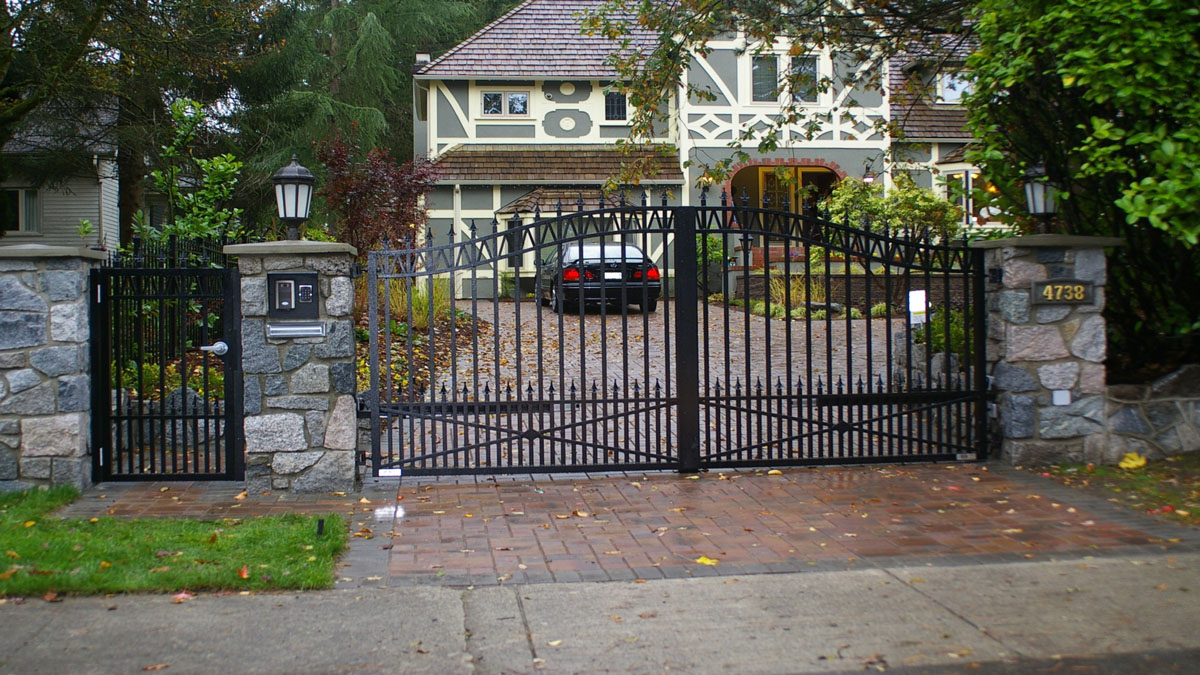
1047, 360
45, 401
299, 398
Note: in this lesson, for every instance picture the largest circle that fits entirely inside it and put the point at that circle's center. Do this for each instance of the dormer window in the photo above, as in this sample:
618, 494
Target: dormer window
951, 87
505, 103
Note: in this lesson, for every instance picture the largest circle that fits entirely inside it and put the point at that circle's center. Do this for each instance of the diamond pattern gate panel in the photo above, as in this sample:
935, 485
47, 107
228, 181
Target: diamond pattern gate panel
166, 366
779, 339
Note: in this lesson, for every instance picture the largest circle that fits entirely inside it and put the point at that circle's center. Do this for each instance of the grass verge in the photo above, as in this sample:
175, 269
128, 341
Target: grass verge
42, 555
1168, 488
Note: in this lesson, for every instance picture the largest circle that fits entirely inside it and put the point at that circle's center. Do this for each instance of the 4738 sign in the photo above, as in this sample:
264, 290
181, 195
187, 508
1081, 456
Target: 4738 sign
1062, 292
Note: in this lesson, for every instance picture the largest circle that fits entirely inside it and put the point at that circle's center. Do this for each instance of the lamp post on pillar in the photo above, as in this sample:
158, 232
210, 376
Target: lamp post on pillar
1041, 198
293, 195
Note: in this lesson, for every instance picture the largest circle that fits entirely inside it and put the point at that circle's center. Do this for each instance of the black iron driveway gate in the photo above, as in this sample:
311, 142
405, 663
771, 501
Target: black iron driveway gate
796, 341
166, 365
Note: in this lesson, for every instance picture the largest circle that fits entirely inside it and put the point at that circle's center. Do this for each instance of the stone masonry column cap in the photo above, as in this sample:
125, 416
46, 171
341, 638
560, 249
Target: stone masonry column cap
290, 248
46, 251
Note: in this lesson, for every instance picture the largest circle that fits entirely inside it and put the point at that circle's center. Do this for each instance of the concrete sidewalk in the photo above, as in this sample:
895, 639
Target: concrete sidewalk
1014, 617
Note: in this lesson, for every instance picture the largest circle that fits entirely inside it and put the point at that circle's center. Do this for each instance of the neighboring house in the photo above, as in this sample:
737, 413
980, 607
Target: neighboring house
517, 117
51, 215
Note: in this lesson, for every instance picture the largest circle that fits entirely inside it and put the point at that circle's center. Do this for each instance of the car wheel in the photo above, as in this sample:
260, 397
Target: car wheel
556, 301
650, 306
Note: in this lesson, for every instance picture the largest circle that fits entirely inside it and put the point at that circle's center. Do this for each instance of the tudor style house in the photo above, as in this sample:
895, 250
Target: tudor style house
520, 116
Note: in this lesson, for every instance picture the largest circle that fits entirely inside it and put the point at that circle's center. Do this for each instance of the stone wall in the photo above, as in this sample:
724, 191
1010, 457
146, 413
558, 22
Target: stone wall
300, 405
45, 399
1158, 420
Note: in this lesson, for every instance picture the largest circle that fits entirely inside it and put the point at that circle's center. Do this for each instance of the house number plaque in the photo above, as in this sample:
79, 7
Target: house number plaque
1062, 292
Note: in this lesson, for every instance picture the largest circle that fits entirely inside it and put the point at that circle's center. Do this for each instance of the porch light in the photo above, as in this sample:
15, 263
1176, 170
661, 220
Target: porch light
1040, 196
293, 195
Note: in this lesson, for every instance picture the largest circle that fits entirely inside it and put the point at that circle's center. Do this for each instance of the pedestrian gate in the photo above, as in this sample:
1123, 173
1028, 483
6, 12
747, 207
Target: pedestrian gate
166, 365
784, 339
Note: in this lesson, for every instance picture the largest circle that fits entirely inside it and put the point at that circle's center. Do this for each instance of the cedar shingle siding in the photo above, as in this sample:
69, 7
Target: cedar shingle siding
547, 164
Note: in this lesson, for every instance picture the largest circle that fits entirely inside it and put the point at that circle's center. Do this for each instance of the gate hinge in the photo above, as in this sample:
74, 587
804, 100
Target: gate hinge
356, 270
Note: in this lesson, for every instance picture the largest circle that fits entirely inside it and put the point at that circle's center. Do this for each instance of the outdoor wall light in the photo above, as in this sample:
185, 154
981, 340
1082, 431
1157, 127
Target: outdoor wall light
869, 174
1040, 196
293, 195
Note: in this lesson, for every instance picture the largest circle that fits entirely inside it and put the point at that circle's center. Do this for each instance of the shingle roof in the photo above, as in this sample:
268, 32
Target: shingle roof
918, 116
555, 164
537, 38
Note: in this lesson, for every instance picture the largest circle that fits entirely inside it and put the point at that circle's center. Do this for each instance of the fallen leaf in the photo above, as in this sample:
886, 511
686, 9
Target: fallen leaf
244, 573
562, 517
14, 555
338, 494
1012, 530
93, 520
774, 472
51, 597
581, 514
612, 553
705, 560
157, 666
554, 643
30, 523
364, 500
1132, 460
240, 495
164, 489
181, 597
104, 564
156, 570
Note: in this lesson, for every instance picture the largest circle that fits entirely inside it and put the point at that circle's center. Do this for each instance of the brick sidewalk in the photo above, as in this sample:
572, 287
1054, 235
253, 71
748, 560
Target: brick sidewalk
659, 525
528, 529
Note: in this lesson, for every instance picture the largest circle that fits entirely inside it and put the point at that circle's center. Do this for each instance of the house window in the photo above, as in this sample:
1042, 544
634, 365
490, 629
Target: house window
765, 78
19, 210
614, 106
952, 87
505, 103
959, 188
804, 73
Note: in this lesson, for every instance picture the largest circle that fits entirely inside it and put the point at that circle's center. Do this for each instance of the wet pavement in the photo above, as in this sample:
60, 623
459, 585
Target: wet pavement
481, 531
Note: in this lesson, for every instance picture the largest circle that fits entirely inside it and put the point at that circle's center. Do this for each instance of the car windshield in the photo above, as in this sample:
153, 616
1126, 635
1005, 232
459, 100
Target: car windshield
605, 251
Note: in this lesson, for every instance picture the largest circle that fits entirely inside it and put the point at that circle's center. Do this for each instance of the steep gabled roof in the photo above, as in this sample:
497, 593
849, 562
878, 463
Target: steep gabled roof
538, 38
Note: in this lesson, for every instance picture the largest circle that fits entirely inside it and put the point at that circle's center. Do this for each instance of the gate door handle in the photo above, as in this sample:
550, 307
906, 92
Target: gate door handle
219, 348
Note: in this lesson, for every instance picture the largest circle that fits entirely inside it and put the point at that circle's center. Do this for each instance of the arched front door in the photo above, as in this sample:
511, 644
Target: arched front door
791, 188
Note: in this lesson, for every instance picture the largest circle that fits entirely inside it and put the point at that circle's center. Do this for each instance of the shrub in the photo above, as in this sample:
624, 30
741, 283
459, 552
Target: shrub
935, 332
879, 310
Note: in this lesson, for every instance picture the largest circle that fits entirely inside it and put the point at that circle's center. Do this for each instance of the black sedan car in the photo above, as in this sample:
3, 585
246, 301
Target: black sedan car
602, 272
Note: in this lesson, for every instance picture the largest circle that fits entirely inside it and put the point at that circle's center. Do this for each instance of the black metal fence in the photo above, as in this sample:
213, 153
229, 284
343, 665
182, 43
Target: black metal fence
165, 402
783, 339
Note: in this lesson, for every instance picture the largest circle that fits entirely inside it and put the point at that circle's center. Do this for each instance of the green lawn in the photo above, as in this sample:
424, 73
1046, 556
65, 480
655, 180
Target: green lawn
1167, 488
43, 554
